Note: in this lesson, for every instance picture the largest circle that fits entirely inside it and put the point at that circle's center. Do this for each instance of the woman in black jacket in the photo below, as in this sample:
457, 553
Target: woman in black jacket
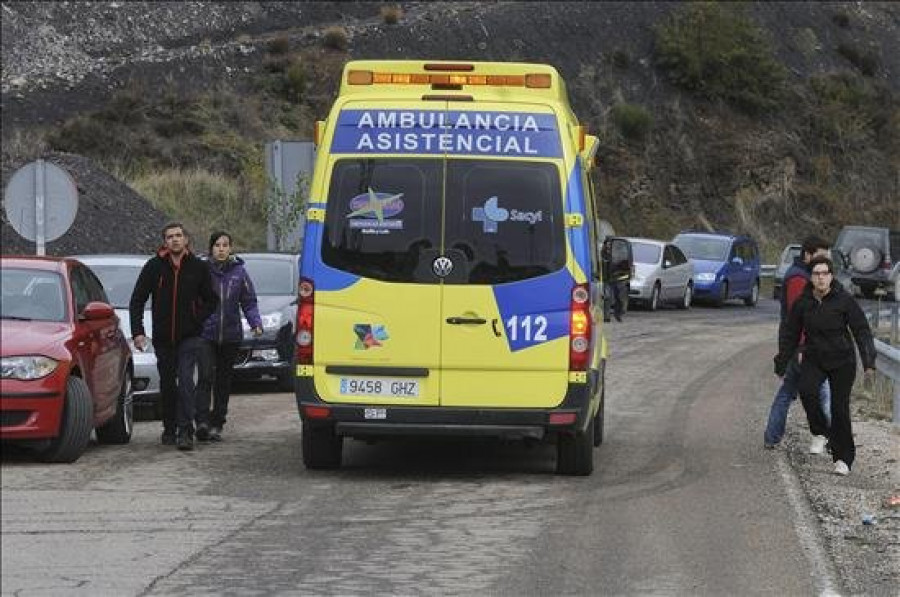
826, 315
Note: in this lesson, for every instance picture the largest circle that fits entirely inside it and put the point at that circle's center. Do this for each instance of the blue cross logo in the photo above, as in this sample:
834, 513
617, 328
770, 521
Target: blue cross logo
490, 215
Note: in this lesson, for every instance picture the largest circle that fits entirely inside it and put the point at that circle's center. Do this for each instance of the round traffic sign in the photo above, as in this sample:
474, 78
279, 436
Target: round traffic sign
24, 206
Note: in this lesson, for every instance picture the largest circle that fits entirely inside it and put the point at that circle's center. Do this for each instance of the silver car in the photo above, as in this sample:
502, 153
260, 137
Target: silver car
788, 255
118, 274
662, 274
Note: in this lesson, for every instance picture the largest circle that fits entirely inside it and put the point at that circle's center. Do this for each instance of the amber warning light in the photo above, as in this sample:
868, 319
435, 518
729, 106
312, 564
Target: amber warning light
367, 77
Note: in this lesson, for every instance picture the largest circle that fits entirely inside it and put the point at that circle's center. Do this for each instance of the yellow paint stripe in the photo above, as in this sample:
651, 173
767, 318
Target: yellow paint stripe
315, 214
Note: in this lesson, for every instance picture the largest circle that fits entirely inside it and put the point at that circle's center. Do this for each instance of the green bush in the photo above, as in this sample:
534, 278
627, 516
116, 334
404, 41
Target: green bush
391, 14
621, 58
632, 121
718, 52
335, 38
841, 19
295, 82
279, 45
865, 60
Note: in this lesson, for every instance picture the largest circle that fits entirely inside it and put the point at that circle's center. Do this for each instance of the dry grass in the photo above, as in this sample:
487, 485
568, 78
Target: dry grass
206, 201
391, 14
335, 38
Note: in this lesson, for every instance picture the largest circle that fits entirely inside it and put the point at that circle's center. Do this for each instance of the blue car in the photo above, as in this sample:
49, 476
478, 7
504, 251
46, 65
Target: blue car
726, 266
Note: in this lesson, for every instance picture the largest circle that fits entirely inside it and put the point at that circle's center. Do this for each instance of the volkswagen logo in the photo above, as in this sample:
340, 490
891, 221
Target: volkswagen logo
442, 267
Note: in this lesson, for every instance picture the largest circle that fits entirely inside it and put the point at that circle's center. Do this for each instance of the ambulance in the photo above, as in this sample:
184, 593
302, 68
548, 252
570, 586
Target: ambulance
450, 278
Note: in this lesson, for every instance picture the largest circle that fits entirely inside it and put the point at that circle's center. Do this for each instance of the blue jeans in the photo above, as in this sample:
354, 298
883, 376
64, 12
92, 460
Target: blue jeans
782, 402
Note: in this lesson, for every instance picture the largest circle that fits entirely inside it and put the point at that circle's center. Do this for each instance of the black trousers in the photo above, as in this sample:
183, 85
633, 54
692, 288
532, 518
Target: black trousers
176, 364
840, 434
616, 293
216, 369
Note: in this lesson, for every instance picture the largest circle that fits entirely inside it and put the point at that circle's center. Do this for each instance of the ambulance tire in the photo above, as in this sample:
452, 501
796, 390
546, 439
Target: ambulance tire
575, 452
322, 447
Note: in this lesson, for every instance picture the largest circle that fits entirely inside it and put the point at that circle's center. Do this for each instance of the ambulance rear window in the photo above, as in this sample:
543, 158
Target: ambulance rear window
503, 220
506, 217
382, 215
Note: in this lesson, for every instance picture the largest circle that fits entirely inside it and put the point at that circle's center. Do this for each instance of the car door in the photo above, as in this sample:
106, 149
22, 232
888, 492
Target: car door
377, 301
505, 314
100, 348
682, 271
738, 268
669, 274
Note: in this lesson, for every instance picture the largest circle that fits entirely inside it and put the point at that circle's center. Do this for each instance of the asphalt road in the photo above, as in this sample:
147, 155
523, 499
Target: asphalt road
684, 499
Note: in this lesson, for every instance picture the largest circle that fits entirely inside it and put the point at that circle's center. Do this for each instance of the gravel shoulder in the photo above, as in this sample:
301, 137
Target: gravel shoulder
865, 556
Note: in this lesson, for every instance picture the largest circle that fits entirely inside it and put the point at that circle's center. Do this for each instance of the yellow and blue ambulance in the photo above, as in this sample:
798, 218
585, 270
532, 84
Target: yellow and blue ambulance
450, 277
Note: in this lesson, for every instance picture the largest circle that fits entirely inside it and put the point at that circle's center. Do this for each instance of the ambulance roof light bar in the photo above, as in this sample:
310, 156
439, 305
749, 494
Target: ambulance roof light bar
530, 80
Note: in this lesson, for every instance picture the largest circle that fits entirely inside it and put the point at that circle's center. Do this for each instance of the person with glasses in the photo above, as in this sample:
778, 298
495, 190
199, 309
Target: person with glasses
796, 279
830, 319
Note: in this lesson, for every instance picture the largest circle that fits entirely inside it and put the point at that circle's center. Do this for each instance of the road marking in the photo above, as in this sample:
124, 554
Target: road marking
823, 574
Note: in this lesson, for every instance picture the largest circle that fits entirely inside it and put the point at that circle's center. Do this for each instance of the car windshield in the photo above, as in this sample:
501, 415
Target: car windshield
118, 280
704, 247
502, 220
645, 252
850, 238
30, 294
790, 254
271, 277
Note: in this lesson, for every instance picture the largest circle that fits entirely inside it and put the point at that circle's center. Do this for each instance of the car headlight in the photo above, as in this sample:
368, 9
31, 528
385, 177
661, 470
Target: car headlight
27, 367
706, 277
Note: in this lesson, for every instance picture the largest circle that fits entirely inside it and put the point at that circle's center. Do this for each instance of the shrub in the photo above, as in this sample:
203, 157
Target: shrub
718, 52
841, 19
279, 45
335, 38
621, 59
633, 121
391, 14
865, 60
295, 82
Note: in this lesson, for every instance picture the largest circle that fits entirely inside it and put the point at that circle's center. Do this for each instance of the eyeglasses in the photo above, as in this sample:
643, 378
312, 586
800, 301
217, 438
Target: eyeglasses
821, 273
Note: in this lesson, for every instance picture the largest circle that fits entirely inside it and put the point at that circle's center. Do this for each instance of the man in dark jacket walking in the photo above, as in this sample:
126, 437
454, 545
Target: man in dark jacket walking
828, 316
182, 299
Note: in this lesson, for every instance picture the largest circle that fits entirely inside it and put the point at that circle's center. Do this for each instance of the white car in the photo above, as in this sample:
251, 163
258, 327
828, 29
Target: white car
662, 274
118, 274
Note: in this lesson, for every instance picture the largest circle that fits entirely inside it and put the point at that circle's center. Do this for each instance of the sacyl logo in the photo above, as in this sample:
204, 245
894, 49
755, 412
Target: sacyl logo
492, 214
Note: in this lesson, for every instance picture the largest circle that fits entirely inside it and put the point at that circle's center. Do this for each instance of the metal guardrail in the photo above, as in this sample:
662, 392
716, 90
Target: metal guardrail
888, 364
767, 271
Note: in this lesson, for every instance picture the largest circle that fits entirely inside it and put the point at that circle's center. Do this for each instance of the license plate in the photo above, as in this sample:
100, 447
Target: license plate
379, 386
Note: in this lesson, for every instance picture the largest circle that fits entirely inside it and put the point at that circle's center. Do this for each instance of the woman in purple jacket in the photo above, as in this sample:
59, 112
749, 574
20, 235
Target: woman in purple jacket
222, 334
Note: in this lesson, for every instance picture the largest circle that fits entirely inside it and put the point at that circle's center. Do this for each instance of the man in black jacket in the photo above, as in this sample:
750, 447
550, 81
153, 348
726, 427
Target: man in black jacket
830, 319
183, 298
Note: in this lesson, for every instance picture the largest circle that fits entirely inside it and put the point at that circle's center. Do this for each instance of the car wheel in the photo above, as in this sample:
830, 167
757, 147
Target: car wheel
653, 304
322, 447
598, 419
688, 297
75, 426
751, 300
118, 429
575, 452
723, 294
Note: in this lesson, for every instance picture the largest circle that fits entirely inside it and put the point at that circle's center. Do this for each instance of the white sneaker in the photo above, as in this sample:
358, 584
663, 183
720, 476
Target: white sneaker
817, 445
841, 468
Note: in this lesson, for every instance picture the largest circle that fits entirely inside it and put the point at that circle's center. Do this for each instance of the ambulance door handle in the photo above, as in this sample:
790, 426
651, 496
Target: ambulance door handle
466, 320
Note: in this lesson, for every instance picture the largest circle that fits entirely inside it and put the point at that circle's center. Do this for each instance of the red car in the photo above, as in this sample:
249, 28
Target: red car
66, 366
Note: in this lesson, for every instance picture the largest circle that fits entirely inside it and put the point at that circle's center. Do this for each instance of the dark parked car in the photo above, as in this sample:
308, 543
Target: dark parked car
870, 256
66, 366
275, 277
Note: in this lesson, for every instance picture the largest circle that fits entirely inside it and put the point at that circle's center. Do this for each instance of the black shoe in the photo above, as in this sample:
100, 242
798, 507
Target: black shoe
184, 441
167, 438
215, 434
606, 319
618, 317
202, 432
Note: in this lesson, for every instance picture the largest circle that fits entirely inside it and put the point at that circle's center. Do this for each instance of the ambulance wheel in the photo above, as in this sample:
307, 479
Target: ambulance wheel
322, 447
575, 452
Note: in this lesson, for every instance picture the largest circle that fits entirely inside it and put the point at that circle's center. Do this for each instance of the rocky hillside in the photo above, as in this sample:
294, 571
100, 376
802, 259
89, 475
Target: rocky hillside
108, 79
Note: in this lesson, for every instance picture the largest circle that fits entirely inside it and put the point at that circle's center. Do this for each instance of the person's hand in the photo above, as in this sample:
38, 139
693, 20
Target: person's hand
257, 331
140, 342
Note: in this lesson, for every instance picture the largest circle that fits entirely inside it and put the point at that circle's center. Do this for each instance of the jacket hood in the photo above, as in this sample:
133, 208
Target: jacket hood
232, 261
